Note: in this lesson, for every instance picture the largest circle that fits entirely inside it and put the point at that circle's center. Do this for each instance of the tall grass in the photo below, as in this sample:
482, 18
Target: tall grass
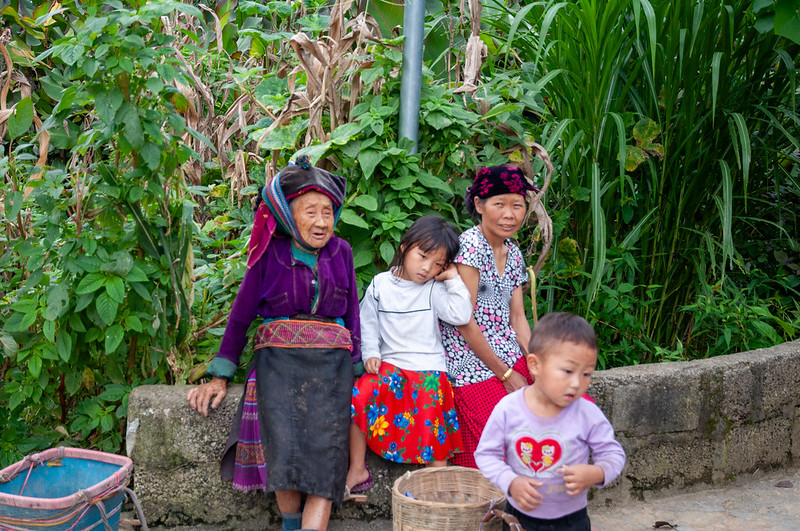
719, 100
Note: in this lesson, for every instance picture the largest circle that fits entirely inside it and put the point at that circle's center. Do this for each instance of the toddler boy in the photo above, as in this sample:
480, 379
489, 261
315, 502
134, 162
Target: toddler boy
537, 442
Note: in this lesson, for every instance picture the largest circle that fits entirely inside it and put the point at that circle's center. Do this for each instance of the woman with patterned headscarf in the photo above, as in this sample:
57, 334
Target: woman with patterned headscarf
486, 357
295, 413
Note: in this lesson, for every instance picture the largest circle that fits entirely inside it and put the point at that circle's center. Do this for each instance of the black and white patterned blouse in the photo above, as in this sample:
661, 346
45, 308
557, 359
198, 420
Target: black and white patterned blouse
492, 309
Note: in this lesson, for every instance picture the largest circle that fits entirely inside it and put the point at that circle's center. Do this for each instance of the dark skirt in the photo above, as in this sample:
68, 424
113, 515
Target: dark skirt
303, 390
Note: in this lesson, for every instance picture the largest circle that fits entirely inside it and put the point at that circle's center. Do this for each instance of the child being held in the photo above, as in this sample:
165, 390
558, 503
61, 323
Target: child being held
538, 440
403, 406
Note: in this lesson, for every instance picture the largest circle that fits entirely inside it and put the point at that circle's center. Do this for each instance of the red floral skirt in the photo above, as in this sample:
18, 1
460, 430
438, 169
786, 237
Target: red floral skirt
408, 416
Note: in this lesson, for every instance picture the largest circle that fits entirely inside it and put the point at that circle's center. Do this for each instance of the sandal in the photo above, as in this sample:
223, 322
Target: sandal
366, 485
349, 496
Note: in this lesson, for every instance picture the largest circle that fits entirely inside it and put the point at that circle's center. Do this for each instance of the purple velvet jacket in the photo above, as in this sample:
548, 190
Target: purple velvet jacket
280, 286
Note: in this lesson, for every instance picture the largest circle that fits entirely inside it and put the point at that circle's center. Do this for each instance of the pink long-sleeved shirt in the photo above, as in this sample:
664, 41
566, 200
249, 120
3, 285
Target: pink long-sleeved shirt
516, 442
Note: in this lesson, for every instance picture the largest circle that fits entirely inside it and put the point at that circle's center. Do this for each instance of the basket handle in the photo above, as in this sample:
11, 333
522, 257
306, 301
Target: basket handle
493, 513
102, 508
138, 507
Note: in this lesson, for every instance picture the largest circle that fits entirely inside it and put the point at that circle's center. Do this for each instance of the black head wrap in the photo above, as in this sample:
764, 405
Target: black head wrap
302, 177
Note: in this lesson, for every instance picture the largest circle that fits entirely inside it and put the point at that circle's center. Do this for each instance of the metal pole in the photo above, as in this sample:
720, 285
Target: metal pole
411, 81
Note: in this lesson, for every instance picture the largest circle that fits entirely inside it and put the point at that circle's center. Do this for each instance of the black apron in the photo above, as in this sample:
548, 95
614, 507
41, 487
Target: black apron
304, 383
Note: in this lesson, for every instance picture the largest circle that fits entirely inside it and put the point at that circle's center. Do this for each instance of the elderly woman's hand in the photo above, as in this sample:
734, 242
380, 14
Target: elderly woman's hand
201, 396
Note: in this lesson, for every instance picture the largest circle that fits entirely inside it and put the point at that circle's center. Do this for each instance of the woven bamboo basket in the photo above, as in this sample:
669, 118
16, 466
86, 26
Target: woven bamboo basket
452, 498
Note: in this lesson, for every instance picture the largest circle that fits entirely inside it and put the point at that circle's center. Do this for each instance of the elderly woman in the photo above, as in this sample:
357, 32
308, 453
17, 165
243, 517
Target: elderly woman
295, 413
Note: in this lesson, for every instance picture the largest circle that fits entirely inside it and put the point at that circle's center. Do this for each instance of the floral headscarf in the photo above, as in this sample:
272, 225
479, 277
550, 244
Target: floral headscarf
496, 180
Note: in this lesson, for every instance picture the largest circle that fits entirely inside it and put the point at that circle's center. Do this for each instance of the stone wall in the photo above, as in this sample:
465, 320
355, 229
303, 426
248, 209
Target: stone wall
684, 425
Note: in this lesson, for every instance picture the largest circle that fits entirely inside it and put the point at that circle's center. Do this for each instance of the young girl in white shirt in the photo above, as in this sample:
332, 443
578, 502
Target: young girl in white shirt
403, 406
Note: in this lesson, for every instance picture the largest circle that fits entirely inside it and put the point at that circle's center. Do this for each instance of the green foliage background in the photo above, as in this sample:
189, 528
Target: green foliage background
133, 140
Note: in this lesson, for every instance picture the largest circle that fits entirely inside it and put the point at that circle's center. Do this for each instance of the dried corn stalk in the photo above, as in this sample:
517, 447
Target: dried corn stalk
199, 109
24, 88
535, 205
329, 64
476, 52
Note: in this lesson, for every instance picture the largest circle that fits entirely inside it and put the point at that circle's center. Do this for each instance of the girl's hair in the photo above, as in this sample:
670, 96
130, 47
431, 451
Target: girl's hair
561, 327
429, 233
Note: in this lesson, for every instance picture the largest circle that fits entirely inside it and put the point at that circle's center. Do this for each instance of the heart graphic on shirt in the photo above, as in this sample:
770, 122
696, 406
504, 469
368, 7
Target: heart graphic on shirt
538, 455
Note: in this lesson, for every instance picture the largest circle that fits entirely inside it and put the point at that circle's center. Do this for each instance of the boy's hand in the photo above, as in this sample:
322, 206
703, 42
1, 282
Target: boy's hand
524, 492
448, 273
372, 365
580, 477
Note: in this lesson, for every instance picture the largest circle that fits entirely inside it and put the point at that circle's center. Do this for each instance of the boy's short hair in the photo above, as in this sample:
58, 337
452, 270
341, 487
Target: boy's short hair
561, 327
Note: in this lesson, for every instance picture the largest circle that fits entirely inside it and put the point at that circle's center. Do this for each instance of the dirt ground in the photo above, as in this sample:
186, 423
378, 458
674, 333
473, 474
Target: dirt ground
759, 502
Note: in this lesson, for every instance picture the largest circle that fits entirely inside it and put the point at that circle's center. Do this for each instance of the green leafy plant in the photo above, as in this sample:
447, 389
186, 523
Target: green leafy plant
102, 299
708, 93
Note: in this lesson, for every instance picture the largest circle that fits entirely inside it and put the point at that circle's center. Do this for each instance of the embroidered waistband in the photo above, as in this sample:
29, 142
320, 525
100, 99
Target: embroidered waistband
302, 334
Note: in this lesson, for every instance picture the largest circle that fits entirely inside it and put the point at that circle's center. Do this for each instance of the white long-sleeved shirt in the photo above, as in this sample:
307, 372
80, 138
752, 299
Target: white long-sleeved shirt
517, 442
400, 320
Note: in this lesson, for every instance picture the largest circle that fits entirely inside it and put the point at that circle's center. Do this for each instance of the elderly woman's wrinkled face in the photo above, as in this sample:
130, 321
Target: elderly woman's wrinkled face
313, 213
